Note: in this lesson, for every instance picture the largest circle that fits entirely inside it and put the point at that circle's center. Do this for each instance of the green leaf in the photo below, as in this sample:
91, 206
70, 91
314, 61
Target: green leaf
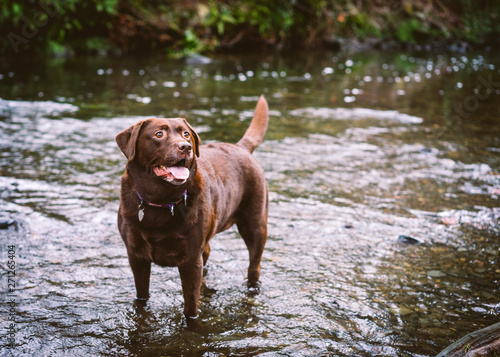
405, 32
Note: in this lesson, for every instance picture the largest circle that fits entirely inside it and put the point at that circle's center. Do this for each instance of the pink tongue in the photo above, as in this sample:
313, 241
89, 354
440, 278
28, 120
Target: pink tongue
179, 172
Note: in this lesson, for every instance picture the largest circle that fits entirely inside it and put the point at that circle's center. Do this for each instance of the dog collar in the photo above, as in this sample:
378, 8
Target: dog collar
170, 205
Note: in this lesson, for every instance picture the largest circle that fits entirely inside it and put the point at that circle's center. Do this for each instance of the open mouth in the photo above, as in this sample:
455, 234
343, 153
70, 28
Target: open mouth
177, 174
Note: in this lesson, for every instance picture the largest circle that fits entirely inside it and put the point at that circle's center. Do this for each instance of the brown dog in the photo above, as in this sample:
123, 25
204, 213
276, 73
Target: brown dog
176, 195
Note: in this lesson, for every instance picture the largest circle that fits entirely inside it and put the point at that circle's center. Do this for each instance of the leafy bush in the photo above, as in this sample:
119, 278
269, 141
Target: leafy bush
43, 25
183, 27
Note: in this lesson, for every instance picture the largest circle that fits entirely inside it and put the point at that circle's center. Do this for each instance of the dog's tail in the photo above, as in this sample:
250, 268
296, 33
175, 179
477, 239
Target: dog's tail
258, 126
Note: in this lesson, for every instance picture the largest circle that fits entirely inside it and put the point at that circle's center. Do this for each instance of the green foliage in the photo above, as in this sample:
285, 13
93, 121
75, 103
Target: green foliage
220, 15
52, 26
479, 19
406, 31
267, 17
185, 27
56, 48
362, 26
191, 44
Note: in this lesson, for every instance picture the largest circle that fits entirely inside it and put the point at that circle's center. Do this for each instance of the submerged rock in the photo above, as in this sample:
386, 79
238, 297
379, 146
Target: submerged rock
496, 309
408, 240
198, 59
6, 222
436, 274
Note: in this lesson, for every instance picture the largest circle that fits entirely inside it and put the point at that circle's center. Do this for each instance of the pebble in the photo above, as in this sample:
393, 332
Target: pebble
436, 274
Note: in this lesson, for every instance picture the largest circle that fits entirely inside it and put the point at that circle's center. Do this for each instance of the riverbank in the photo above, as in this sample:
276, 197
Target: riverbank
186, 27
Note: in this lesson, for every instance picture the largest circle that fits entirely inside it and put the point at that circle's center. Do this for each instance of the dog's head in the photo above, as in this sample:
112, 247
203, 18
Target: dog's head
165, 148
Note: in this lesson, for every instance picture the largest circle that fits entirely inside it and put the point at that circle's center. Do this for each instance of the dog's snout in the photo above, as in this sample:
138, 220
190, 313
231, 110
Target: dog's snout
184, 147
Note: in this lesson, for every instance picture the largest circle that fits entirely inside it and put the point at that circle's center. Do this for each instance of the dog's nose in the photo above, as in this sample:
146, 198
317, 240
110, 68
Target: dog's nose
184, 147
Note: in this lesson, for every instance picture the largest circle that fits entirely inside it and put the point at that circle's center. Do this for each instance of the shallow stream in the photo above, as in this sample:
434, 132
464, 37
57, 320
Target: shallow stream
361, 149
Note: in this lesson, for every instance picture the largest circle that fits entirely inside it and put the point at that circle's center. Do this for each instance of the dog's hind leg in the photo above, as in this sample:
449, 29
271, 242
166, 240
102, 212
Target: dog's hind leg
254, 233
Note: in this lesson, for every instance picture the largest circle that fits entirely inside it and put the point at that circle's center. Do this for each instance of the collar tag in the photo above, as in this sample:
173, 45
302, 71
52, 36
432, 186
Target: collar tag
140, 214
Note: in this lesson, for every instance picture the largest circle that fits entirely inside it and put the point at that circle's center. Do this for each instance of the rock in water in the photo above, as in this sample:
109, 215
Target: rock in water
408, 240
198, 59
5, 222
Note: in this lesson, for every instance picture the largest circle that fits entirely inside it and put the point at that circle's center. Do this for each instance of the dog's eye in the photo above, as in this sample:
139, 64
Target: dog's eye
159, 134
187, 135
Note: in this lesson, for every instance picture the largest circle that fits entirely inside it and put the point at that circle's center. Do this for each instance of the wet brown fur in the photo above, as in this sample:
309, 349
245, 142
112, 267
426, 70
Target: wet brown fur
226, 186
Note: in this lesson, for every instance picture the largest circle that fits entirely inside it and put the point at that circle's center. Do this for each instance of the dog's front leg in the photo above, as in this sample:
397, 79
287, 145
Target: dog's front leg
191, 272
142, 271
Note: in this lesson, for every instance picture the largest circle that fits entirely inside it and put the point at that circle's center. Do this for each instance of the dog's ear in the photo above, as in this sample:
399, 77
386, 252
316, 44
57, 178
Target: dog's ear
127, 140
196, 138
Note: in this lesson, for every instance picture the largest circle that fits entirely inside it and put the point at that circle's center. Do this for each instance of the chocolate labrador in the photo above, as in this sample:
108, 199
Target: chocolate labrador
176, 195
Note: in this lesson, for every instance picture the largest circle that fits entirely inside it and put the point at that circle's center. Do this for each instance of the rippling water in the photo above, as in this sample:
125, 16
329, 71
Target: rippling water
361, 149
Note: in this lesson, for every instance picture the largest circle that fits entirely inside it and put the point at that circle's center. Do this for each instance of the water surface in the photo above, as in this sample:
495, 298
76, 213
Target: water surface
360, 150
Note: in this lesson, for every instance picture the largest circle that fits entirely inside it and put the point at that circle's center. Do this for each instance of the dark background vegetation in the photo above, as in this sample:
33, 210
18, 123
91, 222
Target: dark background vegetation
192, 26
